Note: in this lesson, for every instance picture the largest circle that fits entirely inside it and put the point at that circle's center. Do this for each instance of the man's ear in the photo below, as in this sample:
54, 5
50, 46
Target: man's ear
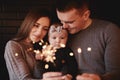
86, 14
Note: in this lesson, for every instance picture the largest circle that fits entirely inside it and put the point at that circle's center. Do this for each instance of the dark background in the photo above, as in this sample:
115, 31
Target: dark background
12, 13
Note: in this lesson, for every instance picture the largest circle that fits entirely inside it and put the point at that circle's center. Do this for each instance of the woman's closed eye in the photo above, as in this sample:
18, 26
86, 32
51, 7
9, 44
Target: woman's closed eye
46, 28
36, 24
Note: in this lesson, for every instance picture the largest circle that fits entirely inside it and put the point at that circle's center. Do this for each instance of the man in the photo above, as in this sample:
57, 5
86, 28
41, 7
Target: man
95, 43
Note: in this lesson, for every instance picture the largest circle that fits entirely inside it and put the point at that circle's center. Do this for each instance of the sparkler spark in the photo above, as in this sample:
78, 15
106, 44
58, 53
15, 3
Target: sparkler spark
48, 51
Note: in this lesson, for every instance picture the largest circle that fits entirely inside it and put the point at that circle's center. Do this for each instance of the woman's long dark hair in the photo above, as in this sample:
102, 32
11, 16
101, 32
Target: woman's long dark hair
29, 22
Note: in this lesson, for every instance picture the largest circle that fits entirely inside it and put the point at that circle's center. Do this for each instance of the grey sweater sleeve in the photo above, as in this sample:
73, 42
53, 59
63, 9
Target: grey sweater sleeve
112, 53
103, 38
16, 63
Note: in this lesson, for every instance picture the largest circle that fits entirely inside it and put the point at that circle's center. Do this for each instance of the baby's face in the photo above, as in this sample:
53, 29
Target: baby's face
56, 39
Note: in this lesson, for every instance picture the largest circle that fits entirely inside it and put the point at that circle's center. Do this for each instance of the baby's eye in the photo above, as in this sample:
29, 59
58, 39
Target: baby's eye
62, 37
54, 37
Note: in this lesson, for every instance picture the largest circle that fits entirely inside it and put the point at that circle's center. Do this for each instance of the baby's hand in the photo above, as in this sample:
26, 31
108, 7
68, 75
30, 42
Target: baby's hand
38, 55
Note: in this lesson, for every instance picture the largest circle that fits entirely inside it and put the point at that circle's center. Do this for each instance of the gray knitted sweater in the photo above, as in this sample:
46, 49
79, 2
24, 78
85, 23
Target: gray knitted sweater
97, 49
19, 60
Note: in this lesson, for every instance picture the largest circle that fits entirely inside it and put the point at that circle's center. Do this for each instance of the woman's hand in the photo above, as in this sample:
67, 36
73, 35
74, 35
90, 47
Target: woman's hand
52, 76
86, 76
56, 76
38, 55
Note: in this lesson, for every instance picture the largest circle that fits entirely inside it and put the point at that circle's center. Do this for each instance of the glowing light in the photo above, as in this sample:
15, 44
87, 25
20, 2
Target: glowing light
29, 49
46, 66
54, 57
79, 50
62, 45
33, 42
40, 43
44, 46
89, 49
37, 51
71, 54
16, 54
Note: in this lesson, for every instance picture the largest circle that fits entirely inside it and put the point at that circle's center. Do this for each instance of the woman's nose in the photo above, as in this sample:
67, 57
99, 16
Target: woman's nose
39, 31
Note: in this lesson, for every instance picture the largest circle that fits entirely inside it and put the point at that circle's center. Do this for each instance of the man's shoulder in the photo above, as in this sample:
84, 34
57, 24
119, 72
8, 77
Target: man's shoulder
103, 21
100, 23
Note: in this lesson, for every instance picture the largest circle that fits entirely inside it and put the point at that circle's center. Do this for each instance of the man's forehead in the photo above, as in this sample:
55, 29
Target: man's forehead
66, 16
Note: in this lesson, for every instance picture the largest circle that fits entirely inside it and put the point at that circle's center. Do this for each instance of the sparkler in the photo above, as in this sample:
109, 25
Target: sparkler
47, 53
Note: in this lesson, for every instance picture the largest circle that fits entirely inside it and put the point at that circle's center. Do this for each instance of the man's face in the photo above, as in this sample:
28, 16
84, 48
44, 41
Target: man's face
72, 20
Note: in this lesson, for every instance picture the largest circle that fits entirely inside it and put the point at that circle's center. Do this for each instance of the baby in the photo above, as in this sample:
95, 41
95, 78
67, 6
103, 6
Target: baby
60, 58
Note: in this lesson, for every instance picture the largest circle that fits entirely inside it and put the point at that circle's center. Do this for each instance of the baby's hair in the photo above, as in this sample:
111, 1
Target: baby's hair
56, 27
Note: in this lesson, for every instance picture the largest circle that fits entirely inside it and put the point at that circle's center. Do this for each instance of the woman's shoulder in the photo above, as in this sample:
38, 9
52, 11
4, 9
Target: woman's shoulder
12, 43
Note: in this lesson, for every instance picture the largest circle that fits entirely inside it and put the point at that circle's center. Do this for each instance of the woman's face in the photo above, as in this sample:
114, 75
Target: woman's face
39, 29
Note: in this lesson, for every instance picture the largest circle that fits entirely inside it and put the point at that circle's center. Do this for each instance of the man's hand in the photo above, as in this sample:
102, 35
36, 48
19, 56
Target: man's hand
86, 76
67, 77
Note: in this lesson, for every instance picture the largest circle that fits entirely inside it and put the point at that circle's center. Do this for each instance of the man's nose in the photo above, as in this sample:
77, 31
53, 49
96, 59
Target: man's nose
65, 25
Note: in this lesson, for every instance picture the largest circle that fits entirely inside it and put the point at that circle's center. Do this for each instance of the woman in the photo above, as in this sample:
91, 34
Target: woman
19, 55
